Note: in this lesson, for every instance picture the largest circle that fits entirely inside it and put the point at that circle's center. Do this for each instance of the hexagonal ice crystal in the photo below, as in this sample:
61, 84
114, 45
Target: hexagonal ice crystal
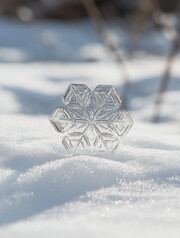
92, 122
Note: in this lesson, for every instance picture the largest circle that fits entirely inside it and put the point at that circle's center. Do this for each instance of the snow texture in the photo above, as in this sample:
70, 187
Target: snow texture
44, 191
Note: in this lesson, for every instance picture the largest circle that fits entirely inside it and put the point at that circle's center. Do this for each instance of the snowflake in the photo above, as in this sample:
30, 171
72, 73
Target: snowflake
92, 122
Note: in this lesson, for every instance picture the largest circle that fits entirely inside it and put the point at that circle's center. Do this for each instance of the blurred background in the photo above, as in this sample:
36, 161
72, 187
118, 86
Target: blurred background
132, 44
27, 10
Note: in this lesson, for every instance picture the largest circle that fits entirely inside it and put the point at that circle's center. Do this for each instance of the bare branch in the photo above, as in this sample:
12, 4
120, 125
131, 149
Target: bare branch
169, 64
98, 21
166, 78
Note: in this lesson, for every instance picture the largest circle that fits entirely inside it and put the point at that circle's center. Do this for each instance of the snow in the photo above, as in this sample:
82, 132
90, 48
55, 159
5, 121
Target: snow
44, 191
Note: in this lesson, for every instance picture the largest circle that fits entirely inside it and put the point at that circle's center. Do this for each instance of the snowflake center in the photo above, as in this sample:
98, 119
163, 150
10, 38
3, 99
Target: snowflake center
91, 121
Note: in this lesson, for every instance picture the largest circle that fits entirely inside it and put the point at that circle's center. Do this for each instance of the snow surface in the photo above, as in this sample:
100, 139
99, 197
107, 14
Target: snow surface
46, 192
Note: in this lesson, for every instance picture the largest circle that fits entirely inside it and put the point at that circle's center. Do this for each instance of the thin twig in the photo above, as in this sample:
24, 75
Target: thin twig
98, 21
168, 68
166, 78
